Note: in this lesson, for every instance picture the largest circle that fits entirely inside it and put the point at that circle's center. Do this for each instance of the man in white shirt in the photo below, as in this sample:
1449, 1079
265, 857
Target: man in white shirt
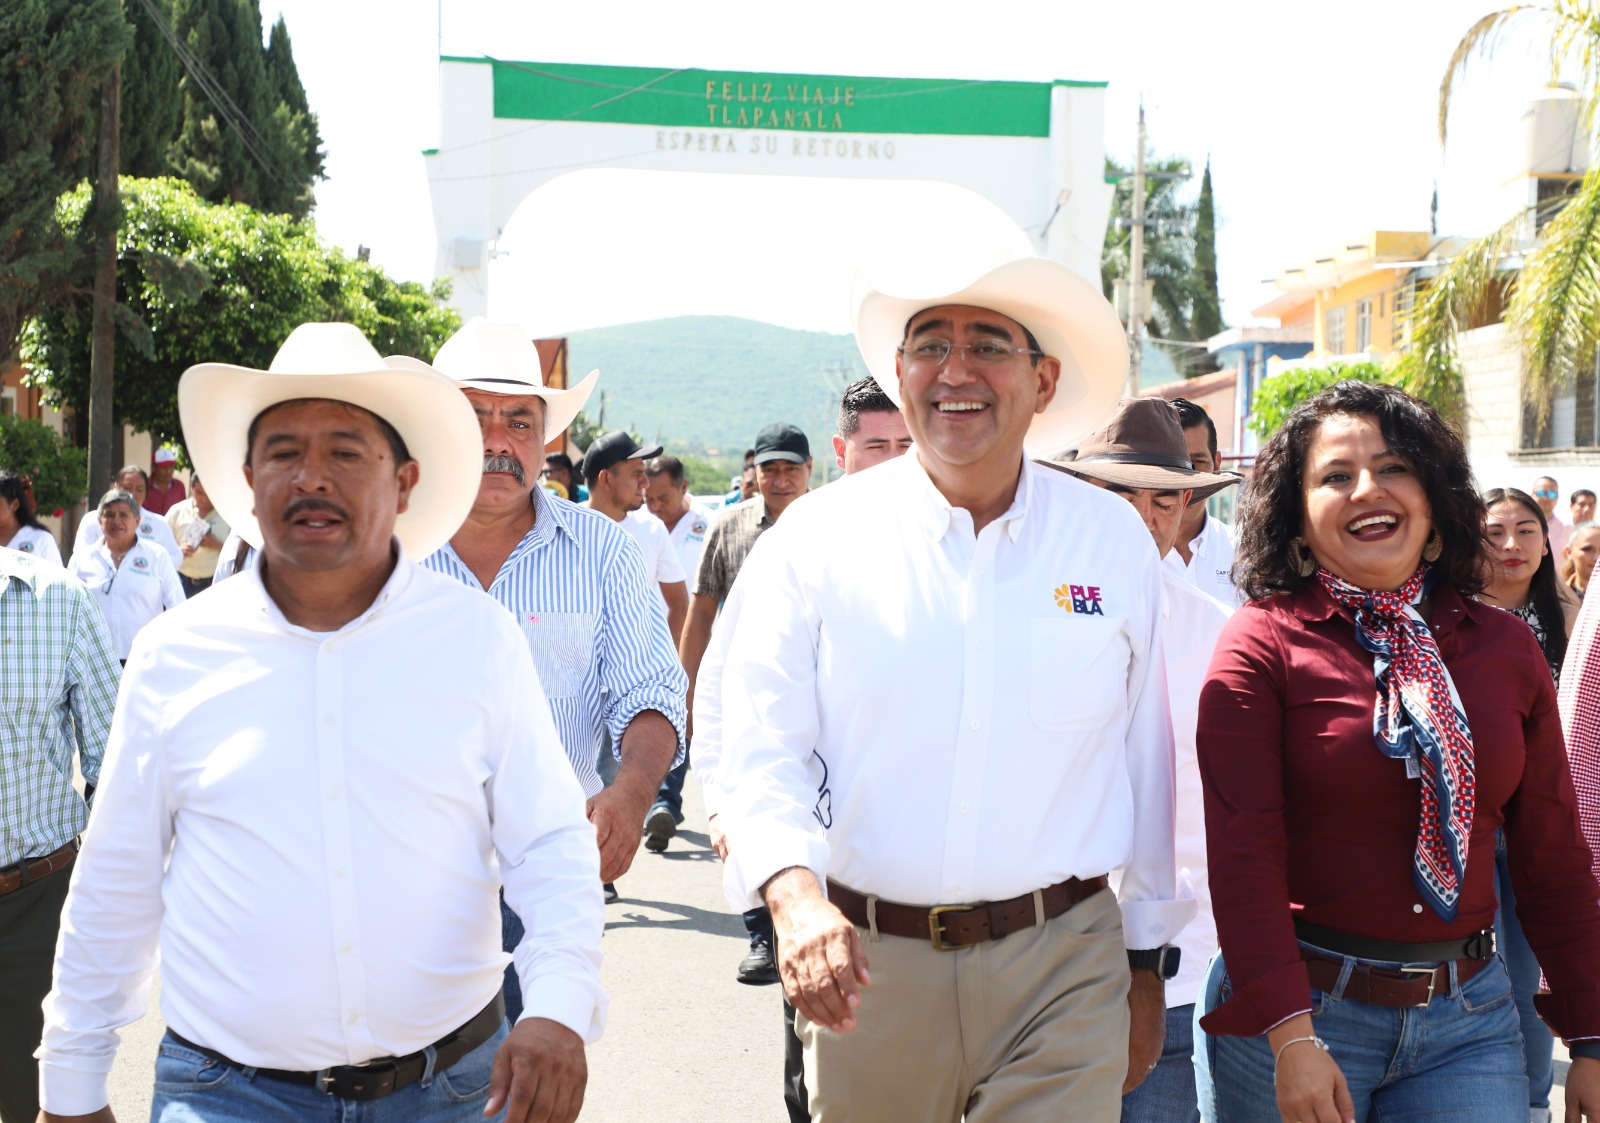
614, 467
944, 698
688, 521
152, 527
1545, 493
321, 875
1139, 454
1204, 550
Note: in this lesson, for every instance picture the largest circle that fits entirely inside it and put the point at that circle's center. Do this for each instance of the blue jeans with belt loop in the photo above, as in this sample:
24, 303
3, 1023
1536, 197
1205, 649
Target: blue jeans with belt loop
1457, 1058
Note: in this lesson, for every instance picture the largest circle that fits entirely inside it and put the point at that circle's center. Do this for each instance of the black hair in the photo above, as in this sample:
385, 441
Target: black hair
558, 460
397, 445
1544, 591
749, 455
1191, 416
15, 487
126, 468
1274, 505
1582, 492
667, 465
862, 396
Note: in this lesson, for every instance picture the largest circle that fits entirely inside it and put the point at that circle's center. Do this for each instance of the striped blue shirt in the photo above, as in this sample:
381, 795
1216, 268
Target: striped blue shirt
594, 623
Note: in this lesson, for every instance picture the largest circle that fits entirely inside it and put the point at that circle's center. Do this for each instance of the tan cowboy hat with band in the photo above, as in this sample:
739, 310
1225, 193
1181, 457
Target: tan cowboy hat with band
1141, 445
218, 401
501, 359
1071, 320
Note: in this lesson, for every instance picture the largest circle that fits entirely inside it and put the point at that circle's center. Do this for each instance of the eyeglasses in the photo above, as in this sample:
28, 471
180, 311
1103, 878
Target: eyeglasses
110, 581
985, 352
1545, 493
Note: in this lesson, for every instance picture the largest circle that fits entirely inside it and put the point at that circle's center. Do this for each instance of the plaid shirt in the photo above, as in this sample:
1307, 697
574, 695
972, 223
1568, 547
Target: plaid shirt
1579, 695
58, 686
732, 537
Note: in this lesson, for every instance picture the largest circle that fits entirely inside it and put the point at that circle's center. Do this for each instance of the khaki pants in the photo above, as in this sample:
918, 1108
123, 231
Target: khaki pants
1030, 1027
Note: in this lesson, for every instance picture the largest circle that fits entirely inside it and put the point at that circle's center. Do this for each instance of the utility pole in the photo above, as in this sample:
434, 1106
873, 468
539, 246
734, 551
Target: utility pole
1136, 265
102, 352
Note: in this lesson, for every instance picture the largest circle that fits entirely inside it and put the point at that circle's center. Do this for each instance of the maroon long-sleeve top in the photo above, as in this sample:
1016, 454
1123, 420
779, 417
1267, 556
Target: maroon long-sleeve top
1304, 813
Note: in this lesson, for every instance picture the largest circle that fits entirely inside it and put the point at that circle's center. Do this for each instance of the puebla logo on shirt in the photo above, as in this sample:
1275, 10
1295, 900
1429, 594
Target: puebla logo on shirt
25, 548
1081, 599
146, 529
141, 563
697, 529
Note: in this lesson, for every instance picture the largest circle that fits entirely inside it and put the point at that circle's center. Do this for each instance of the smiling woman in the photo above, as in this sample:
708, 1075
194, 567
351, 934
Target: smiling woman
1367, 732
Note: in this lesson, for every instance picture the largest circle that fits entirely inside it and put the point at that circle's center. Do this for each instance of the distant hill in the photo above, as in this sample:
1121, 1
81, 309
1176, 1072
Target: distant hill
704, 385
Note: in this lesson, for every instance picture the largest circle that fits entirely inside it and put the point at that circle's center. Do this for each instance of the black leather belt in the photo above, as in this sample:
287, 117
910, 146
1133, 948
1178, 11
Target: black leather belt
386, 1075
1479, 945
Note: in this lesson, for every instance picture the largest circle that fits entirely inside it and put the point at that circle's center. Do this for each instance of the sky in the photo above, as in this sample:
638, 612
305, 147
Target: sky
1319, 122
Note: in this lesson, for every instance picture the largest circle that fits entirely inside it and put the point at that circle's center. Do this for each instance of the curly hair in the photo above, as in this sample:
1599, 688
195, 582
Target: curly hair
1274, 504
1544, 589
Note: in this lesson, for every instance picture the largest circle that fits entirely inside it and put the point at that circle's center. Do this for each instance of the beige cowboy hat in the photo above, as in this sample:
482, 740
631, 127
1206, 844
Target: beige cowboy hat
218, 401
1072, 321
1141, 445
501, 359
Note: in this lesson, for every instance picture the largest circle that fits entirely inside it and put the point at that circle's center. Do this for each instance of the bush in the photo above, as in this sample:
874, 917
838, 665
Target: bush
1280, 394
60, 473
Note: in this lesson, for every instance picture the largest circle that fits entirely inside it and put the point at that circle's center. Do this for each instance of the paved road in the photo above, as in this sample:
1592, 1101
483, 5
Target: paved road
684, 1042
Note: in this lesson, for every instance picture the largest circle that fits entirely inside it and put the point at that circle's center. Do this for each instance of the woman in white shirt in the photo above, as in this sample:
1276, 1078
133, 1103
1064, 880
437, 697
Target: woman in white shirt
19, 527
132, 581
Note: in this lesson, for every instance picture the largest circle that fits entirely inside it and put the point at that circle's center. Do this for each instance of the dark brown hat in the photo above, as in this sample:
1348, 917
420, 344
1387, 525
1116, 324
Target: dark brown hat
1141, 445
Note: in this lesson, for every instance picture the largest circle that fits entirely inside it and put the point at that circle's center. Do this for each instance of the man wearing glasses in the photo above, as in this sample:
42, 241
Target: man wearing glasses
943, 724
1545, 492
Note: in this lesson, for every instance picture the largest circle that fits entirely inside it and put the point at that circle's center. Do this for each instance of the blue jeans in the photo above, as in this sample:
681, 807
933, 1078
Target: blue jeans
193, 1088
1167, 1094
1538, 1046
1459, 1057
670, 794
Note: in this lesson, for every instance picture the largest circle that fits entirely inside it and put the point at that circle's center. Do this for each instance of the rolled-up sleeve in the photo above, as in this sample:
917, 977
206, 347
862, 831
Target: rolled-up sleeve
638, 661
1239, 744
769, 726
1147, 890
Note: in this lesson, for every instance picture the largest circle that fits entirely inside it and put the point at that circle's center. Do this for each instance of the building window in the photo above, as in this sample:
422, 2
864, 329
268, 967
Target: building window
1399, 327
1574, 417
1364, 325
1333, 331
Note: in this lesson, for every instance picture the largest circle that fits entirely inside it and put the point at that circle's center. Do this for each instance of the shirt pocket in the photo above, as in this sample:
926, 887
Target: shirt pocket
562, 646
1079, 668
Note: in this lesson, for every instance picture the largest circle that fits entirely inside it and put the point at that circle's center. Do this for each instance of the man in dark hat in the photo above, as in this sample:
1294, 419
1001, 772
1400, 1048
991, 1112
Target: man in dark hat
614, 467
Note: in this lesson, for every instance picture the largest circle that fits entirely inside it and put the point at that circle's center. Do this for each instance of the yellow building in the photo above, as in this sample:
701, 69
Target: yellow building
1353, 301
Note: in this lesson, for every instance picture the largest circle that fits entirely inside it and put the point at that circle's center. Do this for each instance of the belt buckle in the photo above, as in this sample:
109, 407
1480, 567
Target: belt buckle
1433, 981
936, 929
324, 1082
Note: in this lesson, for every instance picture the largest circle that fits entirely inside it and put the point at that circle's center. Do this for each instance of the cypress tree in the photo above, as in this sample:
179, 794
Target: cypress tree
152, 102
1207, 319
295, 126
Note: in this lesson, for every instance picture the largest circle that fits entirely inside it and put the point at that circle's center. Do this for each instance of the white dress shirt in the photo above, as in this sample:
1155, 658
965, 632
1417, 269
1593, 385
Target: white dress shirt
152, 528
936, 717
38, 541
1191, 622
689, 535
661, 562
315, 826
1210, 564
132, 594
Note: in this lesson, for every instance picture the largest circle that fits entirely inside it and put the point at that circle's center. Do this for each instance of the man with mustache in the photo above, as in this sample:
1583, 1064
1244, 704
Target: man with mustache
575, 582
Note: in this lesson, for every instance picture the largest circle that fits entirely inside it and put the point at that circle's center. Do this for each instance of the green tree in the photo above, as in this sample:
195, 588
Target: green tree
1280, 394
1208, 301
58, 471
295, 126
1553, 309
705, 477
54, 58
199, 281
1169, 259
152, 102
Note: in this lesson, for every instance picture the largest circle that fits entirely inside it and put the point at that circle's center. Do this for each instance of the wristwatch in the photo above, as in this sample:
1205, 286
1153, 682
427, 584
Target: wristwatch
1163, 960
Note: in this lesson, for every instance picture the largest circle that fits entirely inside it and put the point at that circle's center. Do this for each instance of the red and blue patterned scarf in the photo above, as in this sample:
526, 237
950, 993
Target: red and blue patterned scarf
1419, 719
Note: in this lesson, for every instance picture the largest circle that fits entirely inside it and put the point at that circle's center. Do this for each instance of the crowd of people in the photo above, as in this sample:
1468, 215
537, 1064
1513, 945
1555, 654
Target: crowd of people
1044, 792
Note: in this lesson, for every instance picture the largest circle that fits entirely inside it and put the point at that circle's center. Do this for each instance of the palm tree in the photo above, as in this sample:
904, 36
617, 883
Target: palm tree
1168, 244
1554, 303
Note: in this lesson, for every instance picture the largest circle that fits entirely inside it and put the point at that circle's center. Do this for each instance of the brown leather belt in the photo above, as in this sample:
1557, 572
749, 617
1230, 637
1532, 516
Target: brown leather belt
15, 877
949, 927
1396, 987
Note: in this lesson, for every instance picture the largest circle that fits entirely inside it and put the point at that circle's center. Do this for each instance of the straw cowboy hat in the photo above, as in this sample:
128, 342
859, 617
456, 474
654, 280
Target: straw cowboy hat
501, 359
218, 401
1067, 315
1141, 445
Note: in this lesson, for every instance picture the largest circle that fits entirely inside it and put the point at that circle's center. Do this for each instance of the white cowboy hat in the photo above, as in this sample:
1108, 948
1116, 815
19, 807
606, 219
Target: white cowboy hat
1069, 317
501, 359
218, 401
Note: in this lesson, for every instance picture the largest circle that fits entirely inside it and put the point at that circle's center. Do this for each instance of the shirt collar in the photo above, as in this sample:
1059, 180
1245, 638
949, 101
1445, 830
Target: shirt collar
1197, 544
934, 512
397, 584
547, 512
14, 563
